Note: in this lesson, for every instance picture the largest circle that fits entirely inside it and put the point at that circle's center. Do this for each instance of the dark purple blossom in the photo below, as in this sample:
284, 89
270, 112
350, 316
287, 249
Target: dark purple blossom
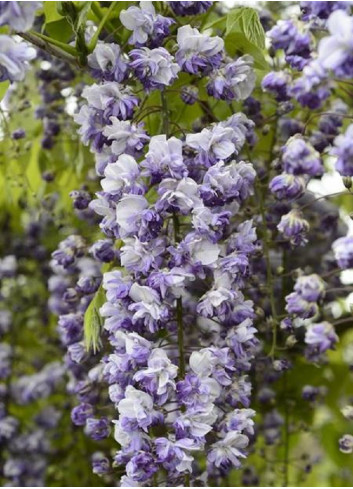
287, 186
294, 228
277, 83
189, 8
97, 428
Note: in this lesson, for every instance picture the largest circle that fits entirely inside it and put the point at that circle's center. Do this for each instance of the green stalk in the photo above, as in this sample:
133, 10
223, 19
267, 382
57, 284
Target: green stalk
102, 23
99, 14
64, 47
179, 314
49, 48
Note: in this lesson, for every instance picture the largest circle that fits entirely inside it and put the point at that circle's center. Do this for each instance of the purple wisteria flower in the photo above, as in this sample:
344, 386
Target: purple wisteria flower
225, 183
121, 176
335, 52
97, 429
155, 68
346, 444
308, 291
294, 228
147, 26
102, 250
298, 306
277, 83
228, 451
310, 287
189, 8
320, 337
313, 87
296, 45
18, 15
222, 141
198, 53
287, 186
343, 251
233, 81
300, 158
100, 463
189, 94
164, 159
344, 152
108, 63
81, 413
110, 99
14, 58
126, 137
321, 10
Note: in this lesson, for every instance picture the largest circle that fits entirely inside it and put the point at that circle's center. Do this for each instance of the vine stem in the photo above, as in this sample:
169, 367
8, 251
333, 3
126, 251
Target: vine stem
329, 196
319, 114
165, 122
269, 275
49, 48
179, 311
286, 435
269, 279
179, 303
61, 45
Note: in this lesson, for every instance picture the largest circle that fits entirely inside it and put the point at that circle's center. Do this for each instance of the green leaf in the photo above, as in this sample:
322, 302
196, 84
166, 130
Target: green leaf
247, 21
51, 12
218, 22
61, 30
237, 43
3, 88
92, 321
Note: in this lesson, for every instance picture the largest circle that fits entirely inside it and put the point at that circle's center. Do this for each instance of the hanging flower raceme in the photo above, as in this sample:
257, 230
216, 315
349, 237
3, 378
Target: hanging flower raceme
183, 265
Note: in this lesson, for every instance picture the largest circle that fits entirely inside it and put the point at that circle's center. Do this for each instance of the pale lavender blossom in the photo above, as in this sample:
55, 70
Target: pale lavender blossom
212, 145
136, 407
121, 176
126, 137
14, 58
164, 159
178, 195
155, 68
335, 52
300, 158
294, 228
320, 337
18, 15
107, 62
287, 186
128, 213
111, 99
145, 24
233, 81
343, 251
158, 377
198, 53
343, 150
227, 452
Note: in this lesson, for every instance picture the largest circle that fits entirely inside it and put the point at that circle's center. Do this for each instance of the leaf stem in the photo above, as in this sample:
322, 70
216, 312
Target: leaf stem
49, 48
64, 47
102, 23
98, 13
